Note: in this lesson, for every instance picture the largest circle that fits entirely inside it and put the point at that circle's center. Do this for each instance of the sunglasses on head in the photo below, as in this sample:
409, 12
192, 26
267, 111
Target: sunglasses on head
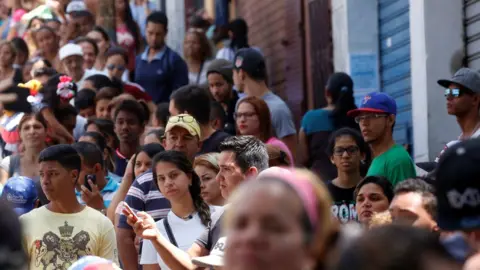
181, 118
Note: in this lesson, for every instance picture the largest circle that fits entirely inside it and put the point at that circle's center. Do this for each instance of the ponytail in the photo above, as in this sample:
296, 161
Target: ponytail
340, 87
200, 205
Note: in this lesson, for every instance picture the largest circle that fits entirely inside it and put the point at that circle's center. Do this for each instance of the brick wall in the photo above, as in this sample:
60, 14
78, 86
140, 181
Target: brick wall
274, 28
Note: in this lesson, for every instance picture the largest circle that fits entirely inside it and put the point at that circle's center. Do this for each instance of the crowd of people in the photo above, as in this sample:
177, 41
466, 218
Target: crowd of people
122, 153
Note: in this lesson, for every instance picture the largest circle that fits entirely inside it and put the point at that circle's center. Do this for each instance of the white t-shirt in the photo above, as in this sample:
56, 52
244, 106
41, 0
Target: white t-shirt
88, 73
202, 78
475, 135
184, 231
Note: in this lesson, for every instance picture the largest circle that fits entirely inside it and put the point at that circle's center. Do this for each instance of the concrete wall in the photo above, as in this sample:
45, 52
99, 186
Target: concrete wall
432, 52
340, 33
176, 32
355, 37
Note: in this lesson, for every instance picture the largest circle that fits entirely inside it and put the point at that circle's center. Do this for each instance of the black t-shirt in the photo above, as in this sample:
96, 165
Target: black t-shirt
232, 105
210, 236
343, 207
213, 142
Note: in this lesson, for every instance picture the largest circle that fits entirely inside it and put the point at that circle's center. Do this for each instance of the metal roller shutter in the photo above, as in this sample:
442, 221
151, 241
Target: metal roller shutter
472, 33
395, 69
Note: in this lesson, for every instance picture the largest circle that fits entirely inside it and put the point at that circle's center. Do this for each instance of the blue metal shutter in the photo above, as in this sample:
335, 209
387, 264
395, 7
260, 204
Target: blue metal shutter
395, 78
472, 33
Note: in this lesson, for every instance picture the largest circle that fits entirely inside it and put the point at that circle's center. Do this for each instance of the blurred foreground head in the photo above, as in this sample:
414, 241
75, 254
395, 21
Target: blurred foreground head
12, 255
396, 247
281, 220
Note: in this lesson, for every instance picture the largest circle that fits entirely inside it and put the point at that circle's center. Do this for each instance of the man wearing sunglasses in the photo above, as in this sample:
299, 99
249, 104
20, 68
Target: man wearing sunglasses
376, 118
463, 101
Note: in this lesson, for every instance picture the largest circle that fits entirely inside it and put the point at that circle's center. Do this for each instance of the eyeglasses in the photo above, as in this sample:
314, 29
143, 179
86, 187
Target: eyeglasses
182, 118
359, 119
245, 114
119, 67
455, 92
338, 151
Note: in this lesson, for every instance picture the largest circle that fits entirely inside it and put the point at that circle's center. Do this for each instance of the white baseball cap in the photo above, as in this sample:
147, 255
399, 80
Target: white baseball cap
76, 6
216, 256
70, 50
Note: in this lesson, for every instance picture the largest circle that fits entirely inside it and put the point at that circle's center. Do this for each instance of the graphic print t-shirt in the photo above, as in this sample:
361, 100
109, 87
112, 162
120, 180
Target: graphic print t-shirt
56, 241
343, 207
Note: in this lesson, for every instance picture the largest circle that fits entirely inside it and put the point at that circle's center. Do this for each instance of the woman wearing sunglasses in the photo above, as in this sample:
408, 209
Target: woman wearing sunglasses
117, 62
347, 151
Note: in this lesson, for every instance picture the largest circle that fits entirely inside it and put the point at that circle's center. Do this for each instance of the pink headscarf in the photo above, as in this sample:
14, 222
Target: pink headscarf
300, 184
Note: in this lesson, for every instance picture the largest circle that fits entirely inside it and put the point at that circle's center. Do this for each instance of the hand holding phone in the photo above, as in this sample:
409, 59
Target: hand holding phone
92, 178
128, 211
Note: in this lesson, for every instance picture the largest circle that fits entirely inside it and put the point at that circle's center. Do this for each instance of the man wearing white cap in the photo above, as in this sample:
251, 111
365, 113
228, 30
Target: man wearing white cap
215, 258
71, 56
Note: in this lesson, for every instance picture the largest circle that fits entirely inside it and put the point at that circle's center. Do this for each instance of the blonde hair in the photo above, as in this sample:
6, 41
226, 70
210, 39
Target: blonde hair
209, 160
326, 228
380, 219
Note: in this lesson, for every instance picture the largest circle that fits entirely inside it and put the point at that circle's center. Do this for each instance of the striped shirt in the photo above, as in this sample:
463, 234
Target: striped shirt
107, 192
144, 196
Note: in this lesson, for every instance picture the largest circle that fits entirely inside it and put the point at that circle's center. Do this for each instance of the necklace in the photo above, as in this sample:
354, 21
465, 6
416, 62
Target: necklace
187, 217
463, 136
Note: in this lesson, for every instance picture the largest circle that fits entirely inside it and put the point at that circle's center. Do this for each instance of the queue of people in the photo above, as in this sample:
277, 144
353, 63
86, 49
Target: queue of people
131, 155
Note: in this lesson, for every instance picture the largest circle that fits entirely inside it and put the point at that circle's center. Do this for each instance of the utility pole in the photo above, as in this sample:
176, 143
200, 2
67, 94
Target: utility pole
106, 17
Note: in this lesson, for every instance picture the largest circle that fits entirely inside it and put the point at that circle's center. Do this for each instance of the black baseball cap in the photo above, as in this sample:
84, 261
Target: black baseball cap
458, 187
251, 61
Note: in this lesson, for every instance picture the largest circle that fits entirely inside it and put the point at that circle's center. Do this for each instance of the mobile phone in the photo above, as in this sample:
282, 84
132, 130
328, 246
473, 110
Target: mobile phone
129, 210
92, 178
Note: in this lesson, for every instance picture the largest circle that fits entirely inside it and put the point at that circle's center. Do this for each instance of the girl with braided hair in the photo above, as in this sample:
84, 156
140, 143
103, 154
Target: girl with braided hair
189, 215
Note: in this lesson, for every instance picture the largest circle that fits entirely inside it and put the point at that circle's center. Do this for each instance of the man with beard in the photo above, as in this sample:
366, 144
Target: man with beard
220, 84
376, 117
159, 69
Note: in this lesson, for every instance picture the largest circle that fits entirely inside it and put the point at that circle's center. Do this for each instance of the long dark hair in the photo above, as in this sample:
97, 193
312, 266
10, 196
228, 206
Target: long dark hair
239, 29
101, 142
380, 181
340, 88
181, 161
151, 150
132, 26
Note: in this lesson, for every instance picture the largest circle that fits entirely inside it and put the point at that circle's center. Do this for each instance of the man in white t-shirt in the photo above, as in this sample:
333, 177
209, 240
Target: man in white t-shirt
462, 94
61, 232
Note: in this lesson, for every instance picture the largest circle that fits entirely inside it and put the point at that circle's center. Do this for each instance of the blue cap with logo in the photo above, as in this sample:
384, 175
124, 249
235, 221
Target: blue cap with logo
376, 102
21, 193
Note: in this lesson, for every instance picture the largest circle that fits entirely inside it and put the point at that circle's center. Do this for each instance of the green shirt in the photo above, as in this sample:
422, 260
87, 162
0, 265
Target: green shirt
395, 164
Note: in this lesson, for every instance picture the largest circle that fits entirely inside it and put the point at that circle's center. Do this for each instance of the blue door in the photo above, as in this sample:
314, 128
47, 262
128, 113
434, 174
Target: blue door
395, 79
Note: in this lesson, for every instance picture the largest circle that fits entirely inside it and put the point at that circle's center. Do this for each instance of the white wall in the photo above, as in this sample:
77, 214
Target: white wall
355, 36
340, 35
436, 35
176, 24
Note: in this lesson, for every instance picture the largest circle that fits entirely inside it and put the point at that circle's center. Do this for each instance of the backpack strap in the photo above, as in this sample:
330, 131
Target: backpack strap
14, 163
168, 229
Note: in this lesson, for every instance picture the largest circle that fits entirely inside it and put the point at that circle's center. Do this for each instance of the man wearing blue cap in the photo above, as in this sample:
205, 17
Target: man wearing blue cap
376, 118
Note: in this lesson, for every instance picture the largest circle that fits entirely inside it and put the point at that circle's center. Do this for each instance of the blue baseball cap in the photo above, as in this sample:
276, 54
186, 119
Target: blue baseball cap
21, 193
376, 102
